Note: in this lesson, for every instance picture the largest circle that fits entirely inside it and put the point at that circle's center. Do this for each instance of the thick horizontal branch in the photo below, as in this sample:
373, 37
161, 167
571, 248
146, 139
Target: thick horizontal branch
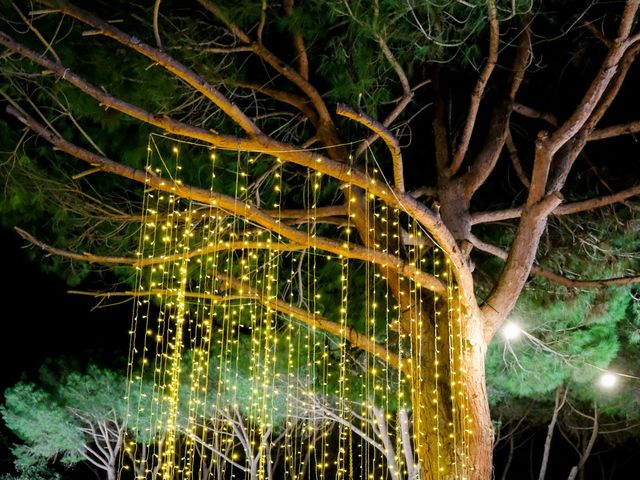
566, 209
382, 132
159, 293
555, 277
235, 206
304, 214
143, 262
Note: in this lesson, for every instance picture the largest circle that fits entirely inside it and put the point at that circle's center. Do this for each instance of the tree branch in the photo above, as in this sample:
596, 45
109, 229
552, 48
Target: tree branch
554, 277
262, 144
565, 209
156, 30
235, 206
615, 131
264, 53
478, 91
169, 63
348, 333
559, 403
144, 262
382, 132
292, 99
522, 254
484, 163
47, 44
599, 85
515, 160
405, 99
298, 43
529, 112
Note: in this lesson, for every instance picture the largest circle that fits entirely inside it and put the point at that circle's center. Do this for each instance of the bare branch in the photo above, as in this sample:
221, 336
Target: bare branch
319, 212
614, 87
484, 163
247, 293
600, 83
143, 262
597, 33
529, 112
515, 160
559, 403
348, 333
292, 99
584, 456
44, 41
235, 206
298, 43
565, 209
107, 100
478, 91
263, 20
290, 74
403, 101
156, 30
169, 63
522, 254
552, 276
402, 76
540, 174
382, 132
615, 131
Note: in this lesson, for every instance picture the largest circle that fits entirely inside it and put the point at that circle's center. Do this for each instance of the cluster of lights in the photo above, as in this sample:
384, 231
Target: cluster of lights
193, 348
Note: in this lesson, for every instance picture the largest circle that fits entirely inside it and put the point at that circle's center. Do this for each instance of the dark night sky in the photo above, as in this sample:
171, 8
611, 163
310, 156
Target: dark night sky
41, 320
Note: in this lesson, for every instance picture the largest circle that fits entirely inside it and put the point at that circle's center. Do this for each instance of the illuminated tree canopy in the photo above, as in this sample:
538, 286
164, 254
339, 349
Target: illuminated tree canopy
340, 203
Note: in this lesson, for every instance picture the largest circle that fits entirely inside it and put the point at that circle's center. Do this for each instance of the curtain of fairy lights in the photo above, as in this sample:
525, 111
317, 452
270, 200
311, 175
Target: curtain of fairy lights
233, 372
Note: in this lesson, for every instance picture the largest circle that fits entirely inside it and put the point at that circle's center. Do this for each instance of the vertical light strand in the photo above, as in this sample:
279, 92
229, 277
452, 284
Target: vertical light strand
436, 374
140, 315
178, 285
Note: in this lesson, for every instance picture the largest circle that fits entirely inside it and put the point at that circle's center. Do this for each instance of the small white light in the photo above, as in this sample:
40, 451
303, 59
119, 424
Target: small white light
511, 331
608, 380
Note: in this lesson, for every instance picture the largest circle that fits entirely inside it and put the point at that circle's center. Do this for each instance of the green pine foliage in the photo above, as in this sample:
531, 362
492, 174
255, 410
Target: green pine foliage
573, 334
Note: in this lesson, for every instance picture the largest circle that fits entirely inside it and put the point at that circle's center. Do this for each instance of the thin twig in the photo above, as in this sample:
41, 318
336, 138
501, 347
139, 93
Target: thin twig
156, 30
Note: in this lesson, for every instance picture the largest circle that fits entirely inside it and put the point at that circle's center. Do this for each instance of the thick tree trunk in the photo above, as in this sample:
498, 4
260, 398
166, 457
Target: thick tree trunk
452, 424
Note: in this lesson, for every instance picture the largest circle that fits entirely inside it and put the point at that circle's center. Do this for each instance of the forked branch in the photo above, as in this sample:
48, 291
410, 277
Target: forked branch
382, 132
478, 90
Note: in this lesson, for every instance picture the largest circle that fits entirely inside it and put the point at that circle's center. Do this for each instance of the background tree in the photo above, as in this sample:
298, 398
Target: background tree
265, 78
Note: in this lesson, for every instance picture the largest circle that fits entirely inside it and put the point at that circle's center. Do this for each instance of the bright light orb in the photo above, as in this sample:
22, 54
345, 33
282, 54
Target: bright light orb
608, 380
511, 331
